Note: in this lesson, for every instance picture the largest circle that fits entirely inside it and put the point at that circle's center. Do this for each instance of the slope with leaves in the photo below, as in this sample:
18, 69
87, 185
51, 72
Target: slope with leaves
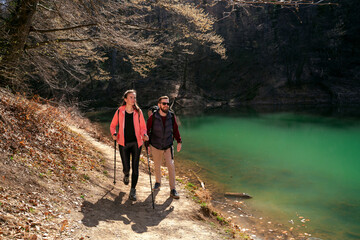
42, 161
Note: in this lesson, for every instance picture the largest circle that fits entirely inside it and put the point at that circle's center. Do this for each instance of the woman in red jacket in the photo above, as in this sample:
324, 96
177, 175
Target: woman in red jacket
130, 137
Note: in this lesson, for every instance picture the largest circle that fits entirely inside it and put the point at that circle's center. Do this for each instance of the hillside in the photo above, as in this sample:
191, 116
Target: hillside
43, 164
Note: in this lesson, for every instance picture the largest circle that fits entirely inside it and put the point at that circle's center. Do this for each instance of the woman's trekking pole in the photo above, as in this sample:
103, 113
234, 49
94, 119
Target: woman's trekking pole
152, 192
114, 162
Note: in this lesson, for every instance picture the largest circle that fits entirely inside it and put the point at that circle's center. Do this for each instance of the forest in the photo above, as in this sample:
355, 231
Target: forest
212, 53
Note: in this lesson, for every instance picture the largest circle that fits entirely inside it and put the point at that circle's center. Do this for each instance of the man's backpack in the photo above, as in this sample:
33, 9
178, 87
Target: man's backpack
153, 108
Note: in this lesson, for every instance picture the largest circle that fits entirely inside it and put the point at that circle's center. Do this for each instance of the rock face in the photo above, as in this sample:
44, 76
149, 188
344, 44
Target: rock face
276, 55
285, 56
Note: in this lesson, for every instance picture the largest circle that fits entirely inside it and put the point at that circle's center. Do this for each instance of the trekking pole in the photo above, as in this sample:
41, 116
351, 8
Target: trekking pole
152, 192
114, 161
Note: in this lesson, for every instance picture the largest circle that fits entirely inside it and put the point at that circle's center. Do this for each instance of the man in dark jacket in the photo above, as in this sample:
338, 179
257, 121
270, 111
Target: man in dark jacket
162, 129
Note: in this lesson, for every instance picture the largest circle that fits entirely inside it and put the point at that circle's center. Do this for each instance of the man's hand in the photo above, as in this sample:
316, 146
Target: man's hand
178, 148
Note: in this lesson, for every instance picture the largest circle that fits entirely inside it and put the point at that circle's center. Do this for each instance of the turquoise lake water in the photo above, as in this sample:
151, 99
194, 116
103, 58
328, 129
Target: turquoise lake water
294, 165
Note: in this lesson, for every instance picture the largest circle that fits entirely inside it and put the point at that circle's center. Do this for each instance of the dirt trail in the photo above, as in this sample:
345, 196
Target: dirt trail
107, 213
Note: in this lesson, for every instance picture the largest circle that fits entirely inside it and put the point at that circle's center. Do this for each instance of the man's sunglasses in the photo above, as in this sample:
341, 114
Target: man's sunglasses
165, 103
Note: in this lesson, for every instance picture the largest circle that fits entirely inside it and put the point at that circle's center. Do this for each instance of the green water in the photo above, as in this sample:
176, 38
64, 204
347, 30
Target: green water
292, 165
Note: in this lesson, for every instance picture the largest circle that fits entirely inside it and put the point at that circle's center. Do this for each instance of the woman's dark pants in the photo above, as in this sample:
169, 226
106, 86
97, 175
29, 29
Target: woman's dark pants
125, 152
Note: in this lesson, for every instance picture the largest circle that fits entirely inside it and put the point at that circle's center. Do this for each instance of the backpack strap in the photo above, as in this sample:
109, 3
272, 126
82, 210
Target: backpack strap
139, 115
118, 121
172, 117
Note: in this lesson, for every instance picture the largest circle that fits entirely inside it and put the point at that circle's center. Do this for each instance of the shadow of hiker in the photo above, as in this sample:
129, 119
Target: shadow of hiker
140, 214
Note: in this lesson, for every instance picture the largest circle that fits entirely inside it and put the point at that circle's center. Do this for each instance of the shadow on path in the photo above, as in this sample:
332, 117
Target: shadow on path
140, 214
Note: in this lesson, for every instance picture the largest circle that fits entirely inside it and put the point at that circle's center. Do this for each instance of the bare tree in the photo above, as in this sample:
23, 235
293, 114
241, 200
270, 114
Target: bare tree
53, 42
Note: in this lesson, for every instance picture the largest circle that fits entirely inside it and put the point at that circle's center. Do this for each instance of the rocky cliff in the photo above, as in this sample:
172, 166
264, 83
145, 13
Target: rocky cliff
276, 55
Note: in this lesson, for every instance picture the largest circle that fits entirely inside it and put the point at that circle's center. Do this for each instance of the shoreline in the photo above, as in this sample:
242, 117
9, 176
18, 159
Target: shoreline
240, 216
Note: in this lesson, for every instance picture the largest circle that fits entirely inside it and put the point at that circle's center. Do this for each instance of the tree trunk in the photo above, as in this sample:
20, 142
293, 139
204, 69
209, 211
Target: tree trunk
17, 31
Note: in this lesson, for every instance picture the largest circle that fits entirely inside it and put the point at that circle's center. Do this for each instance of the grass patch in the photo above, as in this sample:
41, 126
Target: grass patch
179, 180
190, 187
196, 199
221, 220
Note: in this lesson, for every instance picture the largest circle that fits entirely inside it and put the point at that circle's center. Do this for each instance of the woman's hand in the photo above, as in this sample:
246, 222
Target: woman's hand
146, 137
114, 137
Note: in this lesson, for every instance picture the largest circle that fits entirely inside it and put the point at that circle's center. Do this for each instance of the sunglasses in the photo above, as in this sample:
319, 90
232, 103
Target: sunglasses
165, 103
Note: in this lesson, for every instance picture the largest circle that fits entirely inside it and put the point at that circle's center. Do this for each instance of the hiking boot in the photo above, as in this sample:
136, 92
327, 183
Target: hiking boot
157, 186
132, 195
174, 194
126, 180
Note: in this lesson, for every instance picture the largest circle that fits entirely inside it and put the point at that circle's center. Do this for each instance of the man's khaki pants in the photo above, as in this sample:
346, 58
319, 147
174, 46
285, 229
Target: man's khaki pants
158, 156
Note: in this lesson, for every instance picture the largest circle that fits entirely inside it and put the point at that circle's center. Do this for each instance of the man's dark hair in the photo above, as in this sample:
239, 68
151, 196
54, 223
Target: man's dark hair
162, 97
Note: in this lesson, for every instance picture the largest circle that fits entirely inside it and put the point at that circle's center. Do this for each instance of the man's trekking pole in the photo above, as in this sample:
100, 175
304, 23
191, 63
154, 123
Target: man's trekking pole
152, 192
114, 160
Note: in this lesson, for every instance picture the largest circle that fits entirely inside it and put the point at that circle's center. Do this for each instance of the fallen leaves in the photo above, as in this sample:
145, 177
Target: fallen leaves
36, 144
38, 136
63, 225
17, 218
32, 215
